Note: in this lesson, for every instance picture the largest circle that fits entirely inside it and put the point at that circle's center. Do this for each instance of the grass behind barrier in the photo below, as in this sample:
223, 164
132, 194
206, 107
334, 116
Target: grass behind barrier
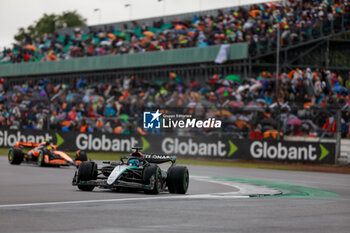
112, 156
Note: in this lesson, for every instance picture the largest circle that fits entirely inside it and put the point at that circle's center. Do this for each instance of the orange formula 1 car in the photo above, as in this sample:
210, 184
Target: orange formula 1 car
43, 154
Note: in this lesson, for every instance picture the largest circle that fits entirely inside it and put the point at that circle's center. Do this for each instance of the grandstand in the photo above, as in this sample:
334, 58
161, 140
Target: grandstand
101, 78
300, 40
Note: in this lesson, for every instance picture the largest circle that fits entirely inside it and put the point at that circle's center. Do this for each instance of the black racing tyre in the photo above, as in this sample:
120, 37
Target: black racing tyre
178, 179
81, 155
15, 156
148, 172
41, 157
87, 171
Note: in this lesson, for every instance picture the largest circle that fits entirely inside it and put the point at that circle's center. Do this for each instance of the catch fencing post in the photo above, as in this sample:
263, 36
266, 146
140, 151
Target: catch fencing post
277, 76
337, 134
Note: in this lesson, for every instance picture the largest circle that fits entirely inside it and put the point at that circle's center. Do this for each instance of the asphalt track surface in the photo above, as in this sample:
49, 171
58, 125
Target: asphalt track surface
34, 199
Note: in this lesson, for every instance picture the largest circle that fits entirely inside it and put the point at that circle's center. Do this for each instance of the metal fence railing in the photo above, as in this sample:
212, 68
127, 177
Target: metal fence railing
293, 34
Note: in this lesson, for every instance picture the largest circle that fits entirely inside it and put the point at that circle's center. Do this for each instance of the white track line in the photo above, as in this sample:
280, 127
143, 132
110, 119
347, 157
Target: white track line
244, 188
197, 196
242, 193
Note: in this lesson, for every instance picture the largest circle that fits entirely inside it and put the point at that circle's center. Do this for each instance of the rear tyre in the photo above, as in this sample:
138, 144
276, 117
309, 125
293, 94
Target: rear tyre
87, 171
178, 179
15, 156
81, 155
152, 172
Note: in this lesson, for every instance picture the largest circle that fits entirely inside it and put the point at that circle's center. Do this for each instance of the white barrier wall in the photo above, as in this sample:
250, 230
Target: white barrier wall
345, 149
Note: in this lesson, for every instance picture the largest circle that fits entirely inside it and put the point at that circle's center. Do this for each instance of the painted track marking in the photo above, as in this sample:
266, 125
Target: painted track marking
198, 196
245, 190
225, 195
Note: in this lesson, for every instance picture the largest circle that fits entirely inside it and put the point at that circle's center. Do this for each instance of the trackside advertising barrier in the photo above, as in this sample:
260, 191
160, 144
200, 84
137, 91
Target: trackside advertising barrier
203, 146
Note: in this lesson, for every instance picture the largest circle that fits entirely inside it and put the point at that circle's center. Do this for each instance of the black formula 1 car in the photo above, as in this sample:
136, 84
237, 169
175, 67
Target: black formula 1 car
136, 172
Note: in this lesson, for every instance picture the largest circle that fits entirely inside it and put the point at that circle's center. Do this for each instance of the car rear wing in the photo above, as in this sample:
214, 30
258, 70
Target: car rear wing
153, 158
30, 145
26, 144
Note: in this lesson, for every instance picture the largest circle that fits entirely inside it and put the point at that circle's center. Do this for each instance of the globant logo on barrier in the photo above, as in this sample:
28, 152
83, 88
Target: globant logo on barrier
104, 143
302, 153
192, 148
9, 138
152, 120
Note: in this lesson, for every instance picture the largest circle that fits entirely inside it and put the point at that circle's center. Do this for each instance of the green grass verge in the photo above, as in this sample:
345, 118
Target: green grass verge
204, 162
287, 190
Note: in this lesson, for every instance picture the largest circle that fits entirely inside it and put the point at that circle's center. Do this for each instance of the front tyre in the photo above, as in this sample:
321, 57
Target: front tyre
41, 159
178, 179
15, 156
86, 171
81, 155
152, 175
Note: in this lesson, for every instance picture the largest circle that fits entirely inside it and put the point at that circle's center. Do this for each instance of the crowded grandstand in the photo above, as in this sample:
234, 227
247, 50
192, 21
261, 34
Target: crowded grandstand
298, 21
244, 105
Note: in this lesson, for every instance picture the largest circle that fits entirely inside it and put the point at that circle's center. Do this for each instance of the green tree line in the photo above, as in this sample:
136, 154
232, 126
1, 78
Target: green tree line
49, 23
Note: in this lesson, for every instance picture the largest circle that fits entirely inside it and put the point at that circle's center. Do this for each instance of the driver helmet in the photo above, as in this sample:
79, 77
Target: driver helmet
134, 162
48, 142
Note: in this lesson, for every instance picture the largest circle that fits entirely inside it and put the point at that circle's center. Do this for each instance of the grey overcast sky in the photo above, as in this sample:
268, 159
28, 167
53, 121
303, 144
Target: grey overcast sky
21, 13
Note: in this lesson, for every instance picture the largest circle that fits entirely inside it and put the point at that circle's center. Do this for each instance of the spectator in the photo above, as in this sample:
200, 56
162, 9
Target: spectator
298, 21
251, 109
